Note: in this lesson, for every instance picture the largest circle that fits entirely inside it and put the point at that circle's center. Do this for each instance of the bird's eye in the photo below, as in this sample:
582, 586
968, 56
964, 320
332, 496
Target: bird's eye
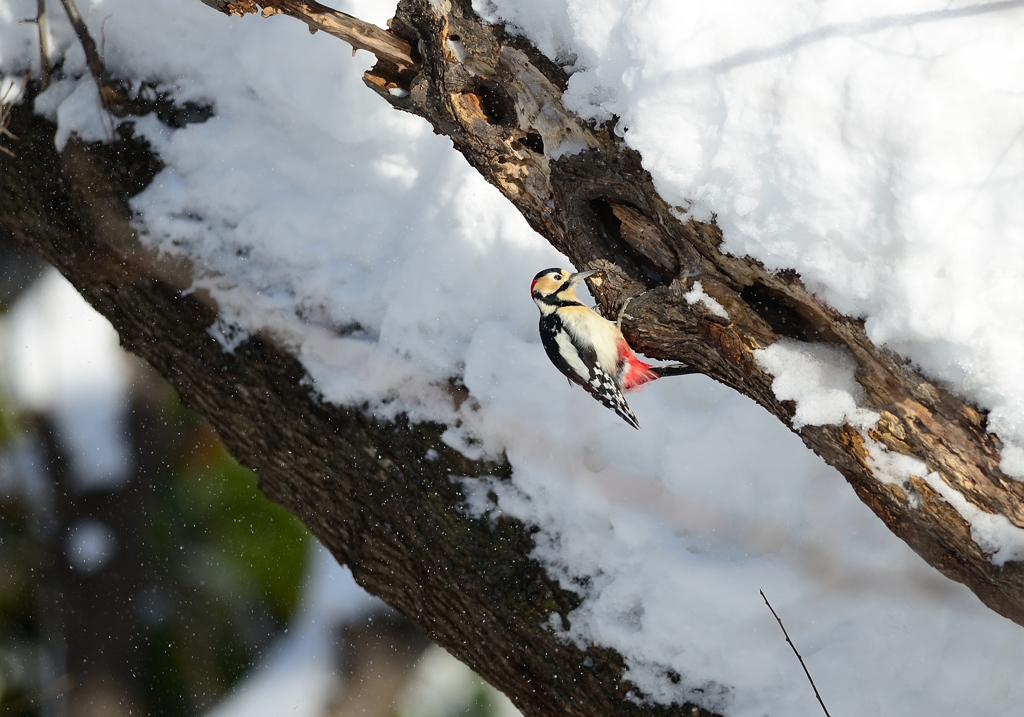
558, 277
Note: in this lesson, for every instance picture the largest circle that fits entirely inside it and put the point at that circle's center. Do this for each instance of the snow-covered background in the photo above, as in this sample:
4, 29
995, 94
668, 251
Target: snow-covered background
876, 148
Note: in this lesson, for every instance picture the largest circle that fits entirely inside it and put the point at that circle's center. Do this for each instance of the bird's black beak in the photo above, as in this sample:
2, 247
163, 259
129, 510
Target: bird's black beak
580, 276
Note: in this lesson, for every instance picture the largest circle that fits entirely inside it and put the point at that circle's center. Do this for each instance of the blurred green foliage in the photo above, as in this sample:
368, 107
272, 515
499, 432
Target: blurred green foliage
248, 545
235, 567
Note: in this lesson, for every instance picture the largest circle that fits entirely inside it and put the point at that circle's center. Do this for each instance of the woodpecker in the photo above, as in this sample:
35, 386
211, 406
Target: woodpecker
588, 348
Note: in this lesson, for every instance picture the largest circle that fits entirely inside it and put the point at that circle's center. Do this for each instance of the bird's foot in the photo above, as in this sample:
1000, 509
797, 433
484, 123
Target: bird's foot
622, 313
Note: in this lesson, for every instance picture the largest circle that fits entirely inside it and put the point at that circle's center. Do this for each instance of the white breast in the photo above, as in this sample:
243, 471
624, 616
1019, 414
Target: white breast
587, 326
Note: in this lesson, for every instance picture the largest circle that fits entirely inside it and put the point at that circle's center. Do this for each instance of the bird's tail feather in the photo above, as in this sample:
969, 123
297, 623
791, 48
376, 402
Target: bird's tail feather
673, 369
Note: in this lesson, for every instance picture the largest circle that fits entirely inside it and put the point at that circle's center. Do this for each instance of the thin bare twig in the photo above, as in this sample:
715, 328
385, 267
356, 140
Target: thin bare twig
92, 57
44, 44
6, 102
103, 38
113, 96
795, 652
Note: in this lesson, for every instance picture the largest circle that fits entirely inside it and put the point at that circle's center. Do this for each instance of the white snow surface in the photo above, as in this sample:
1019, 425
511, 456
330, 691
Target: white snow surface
820, 379
697, 295
875, 148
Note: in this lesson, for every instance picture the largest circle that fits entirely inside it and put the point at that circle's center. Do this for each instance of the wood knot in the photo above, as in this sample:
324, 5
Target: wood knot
729, 341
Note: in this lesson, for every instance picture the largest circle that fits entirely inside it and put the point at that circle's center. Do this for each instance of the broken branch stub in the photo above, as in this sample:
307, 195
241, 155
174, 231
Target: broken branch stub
385, 45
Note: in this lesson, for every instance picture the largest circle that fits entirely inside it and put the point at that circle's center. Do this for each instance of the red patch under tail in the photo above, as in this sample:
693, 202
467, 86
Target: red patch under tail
635, 373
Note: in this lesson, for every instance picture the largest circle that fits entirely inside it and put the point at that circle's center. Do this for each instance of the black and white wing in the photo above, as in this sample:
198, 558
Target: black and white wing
579, 364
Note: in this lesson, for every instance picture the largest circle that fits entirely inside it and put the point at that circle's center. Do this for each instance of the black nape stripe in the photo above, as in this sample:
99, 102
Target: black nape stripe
550, 300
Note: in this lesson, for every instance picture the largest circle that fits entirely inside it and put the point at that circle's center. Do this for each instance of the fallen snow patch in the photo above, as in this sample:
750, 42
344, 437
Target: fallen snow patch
697, 295
820, 379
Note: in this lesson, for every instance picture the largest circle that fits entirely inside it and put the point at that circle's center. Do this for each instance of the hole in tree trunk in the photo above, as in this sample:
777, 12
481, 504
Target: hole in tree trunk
779, 312
496, 105
628, 228
534, 142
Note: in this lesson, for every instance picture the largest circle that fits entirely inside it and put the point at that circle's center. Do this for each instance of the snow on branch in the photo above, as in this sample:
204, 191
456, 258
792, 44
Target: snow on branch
580, 186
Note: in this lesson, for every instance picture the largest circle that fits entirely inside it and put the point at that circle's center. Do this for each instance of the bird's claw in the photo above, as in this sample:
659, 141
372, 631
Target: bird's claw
622, 313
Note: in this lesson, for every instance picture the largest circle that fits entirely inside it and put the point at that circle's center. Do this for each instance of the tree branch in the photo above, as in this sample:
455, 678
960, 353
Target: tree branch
42, 25
797, 653
499, 100
92, 56
364, 487
361, 35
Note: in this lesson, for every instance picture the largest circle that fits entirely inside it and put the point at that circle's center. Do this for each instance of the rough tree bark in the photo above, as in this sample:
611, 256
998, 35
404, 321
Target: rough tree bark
360, 485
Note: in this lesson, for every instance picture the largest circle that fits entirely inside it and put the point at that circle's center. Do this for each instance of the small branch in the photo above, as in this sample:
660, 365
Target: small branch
360, 35
795, 652
112, 97
103, 37
44, 44
92, 57
6, 101
114, 94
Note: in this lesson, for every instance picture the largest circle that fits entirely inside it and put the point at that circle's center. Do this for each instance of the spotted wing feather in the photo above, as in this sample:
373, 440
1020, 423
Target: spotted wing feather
579, 364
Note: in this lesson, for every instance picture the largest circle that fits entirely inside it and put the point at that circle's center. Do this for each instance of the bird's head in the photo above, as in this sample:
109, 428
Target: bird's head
552, 288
